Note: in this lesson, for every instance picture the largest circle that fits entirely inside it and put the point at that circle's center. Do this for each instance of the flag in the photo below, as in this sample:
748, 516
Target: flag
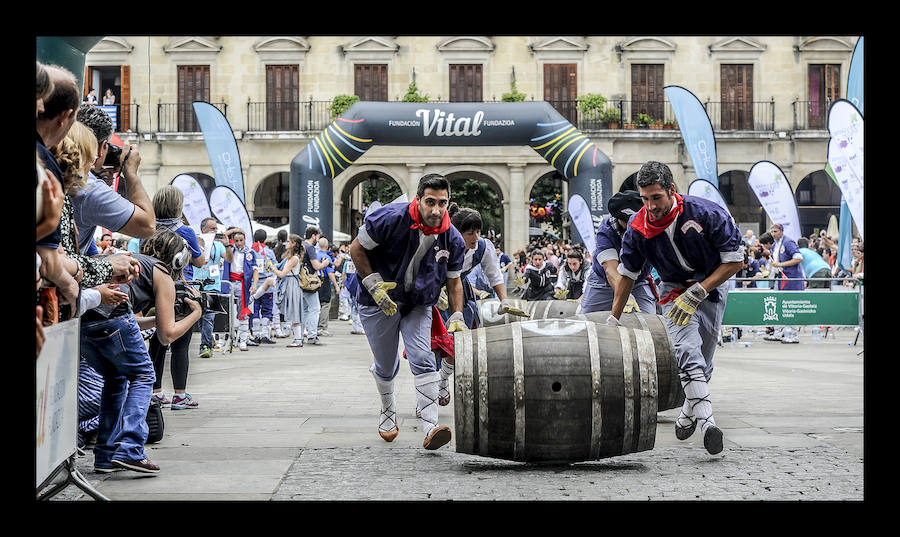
696, 130
196, 207
775, 195
222, 148
583, 222
230, 210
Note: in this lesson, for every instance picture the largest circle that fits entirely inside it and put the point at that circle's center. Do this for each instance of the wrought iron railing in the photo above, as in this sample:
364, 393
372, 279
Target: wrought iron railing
740, 115
180, 117
125, 116
288, 116
811, 115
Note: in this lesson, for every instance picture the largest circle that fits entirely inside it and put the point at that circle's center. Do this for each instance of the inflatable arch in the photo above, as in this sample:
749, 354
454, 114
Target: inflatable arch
366, 124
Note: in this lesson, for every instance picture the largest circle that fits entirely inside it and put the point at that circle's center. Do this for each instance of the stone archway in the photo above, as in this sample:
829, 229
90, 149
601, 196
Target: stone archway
818, 198
375, 184
271, 200
482, 192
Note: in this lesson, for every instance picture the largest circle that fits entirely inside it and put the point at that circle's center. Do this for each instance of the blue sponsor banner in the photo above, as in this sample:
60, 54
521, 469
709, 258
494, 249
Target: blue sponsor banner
696, 130
855, 78
112, 112
222, 148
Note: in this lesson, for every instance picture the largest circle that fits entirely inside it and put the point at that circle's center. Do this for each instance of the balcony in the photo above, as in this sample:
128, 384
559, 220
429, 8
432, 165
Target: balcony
314, 116
180, 117
811, 115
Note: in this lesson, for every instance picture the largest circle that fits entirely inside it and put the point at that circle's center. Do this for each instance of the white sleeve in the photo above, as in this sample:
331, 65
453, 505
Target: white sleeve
490, 266
90, 299
561, 280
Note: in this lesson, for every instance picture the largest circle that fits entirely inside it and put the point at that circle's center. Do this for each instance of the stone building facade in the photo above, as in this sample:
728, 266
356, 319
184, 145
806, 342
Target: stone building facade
785, 82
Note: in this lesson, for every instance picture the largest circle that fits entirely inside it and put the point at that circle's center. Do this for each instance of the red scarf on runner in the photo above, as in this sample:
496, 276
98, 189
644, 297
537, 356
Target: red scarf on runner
649, 228
417, 220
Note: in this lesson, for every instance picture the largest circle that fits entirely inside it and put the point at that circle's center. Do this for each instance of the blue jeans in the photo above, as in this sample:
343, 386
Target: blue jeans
206, 329
309, 313
115, 349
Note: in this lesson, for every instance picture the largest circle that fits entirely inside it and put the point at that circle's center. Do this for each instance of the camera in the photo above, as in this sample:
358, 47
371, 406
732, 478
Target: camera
209, 302
113, 155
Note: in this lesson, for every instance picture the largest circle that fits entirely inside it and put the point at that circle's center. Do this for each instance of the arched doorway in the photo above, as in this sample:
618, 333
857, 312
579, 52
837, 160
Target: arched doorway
818, 198
359, 192
480, 192
742, 202
271, 201
548, 202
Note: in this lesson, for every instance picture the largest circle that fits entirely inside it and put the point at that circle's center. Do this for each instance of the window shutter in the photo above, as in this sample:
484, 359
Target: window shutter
737, 97
282, 97
647, 94
561, 89
466, 83
125, 98
370, 82
193, 85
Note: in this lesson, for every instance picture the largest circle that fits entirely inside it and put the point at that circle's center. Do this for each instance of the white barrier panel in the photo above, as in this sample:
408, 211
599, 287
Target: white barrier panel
57, 398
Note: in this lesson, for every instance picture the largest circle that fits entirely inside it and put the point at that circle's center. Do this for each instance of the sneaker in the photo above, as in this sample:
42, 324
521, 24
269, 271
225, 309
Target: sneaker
266, 340
160, 399
242, 345
253, 342
343, 318
143, 466
107, 468
205, 352
712, 440
280, 335
295, 343
325, 333
357, 333
315, 342
181, 403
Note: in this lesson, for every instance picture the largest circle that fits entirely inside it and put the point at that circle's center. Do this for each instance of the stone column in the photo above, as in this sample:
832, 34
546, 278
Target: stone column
515, 210
414, 172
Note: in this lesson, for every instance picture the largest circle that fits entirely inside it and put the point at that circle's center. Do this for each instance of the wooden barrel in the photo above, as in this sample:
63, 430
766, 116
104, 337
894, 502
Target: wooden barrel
559, 390
671, 394
537, 309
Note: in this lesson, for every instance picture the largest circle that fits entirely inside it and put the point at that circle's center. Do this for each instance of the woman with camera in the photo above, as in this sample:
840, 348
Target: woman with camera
168, 203
112, 344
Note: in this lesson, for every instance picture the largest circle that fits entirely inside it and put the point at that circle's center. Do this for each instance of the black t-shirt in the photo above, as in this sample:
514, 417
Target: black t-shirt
310, 254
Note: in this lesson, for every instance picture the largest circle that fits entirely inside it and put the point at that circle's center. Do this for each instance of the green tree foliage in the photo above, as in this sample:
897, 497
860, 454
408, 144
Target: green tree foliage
480, 196
413, 95
341, 103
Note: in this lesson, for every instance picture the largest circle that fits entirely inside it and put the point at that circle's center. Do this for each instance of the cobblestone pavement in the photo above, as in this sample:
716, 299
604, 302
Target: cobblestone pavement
300, 425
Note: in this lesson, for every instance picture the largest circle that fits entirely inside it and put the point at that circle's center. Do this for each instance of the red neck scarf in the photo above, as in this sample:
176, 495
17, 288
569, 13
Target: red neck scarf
417, 220
649, 228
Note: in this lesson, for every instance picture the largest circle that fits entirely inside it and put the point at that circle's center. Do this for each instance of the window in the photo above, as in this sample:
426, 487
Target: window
561, 89
371, 82
282, 97
647, 96
737, 97
193, 85
465, 83
116, 79
824, 89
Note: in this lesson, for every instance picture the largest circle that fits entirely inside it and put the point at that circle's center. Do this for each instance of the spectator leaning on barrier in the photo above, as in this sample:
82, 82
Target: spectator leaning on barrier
98, 204
814, 266
112, 344
51, 127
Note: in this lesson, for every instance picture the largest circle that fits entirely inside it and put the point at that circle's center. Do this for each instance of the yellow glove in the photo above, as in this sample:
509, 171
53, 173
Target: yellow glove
561, 293
378, 288
442, 302
631, 305
519, 281
686, 304
269, 266
482, 294
506, 306
456, 322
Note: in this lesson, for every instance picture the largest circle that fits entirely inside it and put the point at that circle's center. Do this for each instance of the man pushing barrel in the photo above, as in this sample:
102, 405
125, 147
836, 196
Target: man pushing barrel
403, 255
695, 247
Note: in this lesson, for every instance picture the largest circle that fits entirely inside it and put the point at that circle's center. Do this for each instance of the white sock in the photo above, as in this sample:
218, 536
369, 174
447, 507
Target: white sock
696, 393
388, 419
264, 327
298, 332
243, 331
256, 326
426, 399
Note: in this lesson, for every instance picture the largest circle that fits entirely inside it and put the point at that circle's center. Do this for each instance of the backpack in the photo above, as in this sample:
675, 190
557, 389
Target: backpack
155, 422
308, 282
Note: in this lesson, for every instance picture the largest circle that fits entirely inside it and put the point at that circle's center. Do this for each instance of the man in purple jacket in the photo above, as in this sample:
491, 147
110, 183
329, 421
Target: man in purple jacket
695, 248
